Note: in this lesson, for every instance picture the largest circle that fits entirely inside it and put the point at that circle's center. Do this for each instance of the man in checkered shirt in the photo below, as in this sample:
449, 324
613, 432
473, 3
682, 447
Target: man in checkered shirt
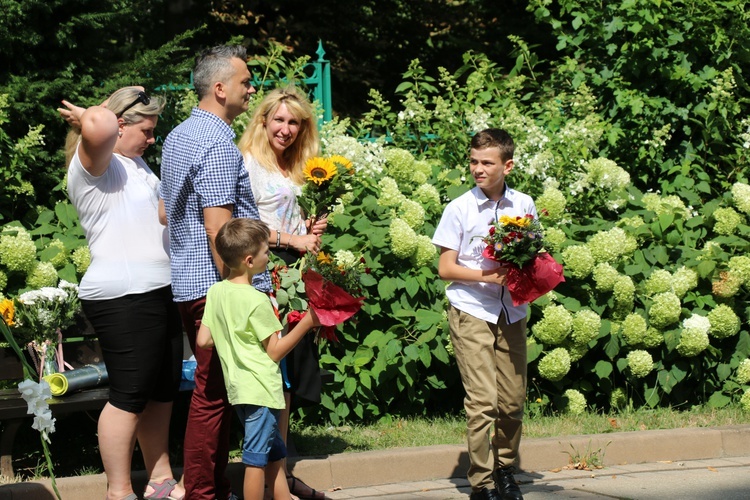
204, 184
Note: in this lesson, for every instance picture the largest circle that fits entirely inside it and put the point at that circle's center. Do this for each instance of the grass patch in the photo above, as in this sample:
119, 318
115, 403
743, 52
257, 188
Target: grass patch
327, 440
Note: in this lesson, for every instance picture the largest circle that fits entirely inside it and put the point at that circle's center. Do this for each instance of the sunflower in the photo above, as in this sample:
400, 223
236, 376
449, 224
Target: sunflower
343, 163
507, 220
319, 170
7, 311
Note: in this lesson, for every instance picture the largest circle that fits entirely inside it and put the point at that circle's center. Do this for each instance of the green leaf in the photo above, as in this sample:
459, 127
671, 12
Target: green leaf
665, 220
533, 351
705, 268
439, 353
603, 369
718, 400
427, 335
345, 242
387, 287
350, 386
66, 214
612, 347
393, 349
411, 352
282, 297
365, 380
425, 356
49, 253
427, 319
362, 356
342, 410
367, 280
411, 286
68, 273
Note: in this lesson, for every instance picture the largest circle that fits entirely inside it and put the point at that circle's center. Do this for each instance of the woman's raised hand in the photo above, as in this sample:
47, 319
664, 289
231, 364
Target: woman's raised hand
71, 114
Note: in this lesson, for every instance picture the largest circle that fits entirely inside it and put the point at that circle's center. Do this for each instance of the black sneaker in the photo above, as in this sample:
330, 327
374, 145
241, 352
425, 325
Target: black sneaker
506, 485
485, 494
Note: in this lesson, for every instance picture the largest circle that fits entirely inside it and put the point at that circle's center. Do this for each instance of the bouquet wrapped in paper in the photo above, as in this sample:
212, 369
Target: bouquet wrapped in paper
517, 243
333, 289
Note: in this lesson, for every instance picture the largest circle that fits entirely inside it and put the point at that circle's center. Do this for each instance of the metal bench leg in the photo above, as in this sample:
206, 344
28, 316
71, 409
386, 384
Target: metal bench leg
10, 427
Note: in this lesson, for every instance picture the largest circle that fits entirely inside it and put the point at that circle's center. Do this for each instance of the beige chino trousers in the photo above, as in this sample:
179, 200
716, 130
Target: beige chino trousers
492, 362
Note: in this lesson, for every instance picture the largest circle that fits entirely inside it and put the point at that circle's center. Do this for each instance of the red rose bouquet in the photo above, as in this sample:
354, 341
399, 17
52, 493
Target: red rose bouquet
518, 242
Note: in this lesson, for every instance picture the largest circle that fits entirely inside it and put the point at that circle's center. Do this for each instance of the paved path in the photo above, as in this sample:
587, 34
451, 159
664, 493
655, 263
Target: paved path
692, 463
721, 479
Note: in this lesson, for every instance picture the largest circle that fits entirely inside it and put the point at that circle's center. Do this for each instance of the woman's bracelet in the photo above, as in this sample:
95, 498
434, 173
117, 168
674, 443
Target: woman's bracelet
278, 239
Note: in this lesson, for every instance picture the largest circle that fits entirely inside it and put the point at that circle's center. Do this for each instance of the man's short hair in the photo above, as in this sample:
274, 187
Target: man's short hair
494, 138
239, 238
214, 65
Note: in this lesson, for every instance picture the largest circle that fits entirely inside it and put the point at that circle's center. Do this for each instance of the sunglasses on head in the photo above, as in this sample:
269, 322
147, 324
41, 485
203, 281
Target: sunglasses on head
142, 98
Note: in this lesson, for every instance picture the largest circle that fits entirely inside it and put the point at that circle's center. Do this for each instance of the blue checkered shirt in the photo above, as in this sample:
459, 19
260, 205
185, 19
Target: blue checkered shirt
201, 167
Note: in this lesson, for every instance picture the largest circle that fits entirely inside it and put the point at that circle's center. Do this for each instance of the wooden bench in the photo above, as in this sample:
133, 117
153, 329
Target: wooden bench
13, 408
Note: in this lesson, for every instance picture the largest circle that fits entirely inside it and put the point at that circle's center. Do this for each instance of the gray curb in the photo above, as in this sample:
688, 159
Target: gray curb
370, 468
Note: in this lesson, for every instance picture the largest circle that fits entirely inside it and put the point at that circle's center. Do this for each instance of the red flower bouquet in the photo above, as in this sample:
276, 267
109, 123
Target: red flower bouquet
333, 289
517, 243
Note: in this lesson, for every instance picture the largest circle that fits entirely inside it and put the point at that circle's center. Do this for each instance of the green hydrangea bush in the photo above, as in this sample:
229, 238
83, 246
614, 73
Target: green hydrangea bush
652, 310
54, 249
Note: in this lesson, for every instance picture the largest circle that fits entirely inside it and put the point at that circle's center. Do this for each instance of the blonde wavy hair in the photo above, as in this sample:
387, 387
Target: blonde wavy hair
118, 101
255, 140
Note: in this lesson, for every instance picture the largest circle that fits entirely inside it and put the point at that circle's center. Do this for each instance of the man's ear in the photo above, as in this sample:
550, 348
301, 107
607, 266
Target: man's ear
219, 90
509, 166
249, 261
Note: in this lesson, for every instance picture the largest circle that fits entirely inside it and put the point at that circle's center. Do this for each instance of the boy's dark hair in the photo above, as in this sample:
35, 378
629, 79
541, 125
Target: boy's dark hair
494, 138
239, 238
214, 65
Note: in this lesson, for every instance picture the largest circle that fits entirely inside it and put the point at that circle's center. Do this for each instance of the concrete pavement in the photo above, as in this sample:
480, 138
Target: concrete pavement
671, 464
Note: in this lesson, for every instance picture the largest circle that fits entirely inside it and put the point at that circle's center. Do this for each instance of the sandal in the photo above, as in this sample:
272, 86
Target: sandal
163, 490
311, 494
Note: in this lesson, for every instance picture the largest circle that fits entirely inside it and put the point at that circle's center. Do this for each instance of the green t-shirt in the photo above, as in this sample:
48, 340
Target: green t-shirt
240, 318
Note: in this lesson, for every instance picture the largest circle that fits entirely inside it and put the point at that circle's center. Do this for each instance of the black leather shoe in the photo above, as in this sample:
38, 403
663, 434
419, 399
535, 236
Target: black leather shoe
506, 485
485, 494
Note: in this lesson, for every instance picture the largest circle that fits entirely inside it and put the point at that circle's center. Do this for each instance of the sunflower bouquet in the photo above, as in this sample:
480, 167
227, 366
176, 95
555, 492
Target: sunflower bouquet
518, 243
326, 179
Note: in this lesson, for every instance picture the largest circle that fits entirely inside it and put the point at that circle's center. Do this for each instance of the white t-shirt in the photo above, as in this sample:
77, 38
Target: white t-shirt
276, 197
120, 216
465, 221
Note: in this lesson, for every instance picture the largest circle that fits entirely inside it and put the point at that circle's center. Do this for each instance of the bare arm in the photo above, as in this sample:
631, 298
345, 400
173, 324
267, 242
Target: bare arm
277, 348
204, 340
99, 128
162, 213
450, 270
213, 219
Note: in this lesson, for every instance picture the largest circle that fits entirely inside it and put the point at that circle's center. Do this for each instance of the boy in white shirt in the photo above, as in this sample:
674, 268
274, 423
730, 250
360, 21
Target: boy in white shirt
487, 331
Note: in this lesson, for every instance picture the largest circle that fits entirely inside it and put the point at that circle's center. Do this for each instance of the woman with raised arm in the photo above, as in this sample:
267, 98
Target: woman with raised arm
126, 292
281, 136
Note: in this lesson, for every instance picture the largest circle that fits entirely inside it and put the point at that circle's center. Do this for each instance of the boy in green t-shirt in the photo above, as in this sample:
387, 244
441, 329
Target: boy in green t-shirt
240, 322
